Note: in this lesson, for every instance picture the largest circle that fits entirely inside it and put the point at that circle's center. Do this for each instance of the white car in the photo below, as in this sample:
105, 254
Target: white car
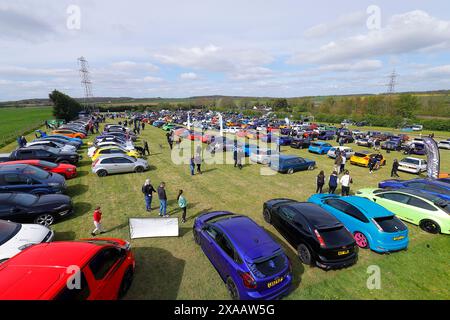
412, 165
232, 130
263, 156
128, 147
444, 144
53, 144
15, 237
348, 152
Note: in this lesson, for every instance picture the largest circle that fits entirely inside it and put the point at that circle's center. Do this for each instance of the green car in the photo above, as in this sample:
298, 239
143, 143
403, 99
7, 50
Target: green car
429, 212
168, 126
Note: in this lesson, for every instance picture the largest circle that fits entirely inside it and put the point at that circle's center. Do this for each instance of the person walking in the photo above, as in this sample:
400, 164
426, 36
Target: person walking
147, 190
146, 148
338, 162
343, 161
320, 181
345, 182
192, 166
182, 203
333, 182
240, 156
162, 200
198, 163
97, 222
395, 169
235, 156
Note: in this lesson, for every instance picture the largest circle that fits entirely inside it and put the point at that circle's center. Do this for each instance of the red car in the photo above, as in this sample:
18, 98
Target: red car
90, 269
67, 170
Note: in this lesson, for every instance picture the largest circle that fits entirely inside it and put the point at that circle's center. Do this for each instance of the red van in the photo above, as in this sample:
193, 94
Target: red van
90, 269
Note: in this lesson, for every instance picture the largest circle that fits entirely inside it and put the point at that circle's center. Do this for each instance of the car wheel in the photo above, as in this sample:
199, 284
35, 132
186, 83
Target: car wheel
196, 236
45, 219
304, 254
290, 171
361, 240
311, 168
267, 216
127, 280
139, 169
232, 289
430, 226
102, 173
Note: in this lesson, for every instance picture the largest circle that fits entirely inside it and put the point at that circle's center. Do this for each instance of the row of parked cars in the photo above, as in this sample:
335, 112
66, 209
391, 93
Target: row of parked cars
327, 232
32, 187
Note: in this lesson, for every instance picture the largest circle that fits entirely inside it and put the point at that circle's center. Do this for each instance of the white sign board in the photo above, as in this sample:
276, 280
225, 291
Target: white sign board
153, 227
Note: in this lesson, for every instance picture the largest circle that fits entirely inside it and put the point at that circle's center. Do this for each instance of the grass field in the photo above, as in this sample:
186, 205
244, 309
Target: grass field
16, 121
175, 268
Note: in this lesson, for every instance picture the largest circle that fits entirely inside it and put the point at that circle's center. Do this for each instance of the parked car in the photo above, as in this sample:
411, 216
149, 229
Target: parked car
30, 179
348, 152
53, 144
106, 271
412, 165
106, 138
113, 150
26, 208
392, 145
319, 147
362, 158
420, 208
45, 153
284, 140
93, 149
434, 187
77, 143
263, 156
318, 237
300, 143
69, 171
326, 135
372, 225
443, 144
415, 148
252, 265
118, 163
168, 126
69, 133
15, 237
364, 142
290, 164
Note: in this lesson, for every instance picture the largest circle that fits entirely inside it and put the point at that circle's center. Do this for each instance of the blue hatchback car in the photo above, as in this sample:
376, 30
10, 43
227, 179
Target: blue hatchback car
319, 147
434, 187
372, 225
290, 164
252, 265
29, 179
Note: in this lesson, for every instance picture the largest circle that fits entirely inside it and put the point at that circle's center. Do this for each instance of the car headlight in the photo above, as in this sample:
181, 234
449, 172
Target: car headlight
25, 246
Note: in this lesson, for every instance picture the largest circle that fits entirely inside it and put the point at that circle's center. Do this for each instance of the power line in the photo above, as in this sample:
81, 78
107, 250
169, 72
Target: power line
85, 82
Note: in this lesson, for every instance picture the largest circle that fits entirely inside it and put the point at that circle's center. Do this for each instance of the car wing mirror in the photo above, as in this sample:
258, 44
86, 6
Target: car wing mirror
375, 200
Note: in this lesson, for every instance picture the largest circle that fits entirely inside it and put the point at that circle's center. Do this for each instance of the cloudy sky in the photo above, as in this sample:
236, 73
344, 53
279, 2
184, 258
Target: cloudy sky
149, 48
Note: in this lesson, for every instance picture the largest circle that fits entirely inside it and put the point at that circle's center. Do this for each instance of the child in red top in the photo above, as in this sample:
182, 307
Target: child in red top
97, 222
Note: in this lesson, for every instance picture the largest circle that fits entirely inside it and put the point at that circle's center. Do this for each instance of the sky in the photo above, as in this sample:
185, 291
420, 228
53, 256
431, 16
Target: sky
277, 48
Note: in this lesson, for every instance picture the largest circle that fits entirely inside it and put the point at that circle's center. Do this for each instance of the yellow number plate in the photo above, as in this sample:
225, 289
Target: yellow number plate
275, 282
399, 238
341, 253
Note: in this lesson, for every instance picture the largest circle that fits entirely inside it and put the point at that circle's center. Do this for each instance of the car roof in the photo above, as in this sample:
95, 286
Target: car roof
247, 236
288, 156
370, 209
35, 270
116, 155
314, 214
13, 167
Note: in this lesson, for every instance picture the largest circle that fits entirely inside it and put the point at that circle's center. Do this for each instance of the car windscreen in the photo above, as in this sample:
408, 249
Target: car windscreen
8, 230
390, 224
48, 164
337, 236
268, 267
24, 199
53, 150
36, 173
315, 144
410, 160
361, 155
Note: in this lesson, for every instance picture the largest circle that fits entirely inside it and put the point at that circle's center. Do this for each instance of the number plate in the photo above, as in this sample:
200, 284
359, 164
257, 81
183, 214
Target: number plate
341, 253
399, 238
275, 282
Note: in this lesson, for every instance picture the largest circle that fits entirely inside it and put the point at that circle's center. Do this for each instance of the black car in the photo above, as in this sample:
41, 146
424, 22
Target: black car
319, 238
300, 143
25, 208
45, 153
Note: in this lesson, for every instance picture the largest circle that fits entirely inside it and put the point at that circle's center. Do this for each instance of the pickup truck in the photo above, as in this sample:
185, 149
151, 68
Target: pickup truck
41, 153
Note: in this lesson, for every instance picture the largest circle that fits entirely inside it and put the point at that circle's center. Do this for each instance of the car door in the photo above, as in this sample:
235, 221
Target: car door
286, 225
17, 182
24, 154
44, 155
104, 268
395, 202
108, 164
208, 236
224, 255
123, 165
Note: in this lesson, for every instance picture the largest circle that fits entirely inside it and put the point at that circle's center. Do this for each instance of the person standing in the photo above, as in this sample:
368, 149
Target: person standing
343, 161
333, 182
235, 156
146, 148
192, 166
182, 203
320, 181
338, 162
97, 222
198, 162
345, 181
395, 169
240, 156
147, 190
143, 125
372, 163
162, 200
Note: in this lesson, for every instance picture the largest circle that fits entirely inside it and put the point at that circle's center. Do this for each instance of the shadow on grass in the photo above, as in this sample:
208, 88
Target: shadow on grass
82, 173
184, 230
150, 282
81, 209
120, 226
198, 214
65, 236
77, 190
297, 267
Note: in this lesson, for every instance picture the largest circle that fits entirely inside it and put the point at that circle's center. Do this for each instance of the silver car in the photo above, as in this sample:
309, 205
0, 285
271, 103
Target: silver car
119, 163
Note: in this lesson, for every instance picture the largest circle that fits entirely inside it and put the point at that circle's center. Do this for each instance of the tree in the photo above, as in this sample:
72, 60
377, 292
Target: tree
280, 105
407, 105
64, 107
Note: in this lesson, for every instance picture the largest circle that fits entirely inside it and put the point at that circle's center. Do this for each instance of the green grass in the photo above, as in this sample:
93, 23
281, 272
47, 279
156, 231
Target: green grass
17, 121
175, 268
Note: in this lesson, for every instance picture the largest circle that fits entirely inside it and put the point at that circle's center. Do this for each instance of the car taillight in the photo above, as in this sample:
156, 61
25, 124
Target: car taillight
69, 169
94, 163
247, 280
319, 237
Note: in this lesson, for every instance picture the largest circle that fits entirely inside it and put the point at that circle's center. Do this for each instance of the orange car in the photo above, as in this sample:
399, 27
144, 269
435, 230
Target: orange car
69, 133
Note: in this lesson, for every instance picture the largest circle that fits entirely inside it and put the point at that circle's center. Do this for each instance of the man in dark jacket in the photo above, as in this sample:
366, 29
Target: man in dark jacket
395, 169
147, 190
162, 200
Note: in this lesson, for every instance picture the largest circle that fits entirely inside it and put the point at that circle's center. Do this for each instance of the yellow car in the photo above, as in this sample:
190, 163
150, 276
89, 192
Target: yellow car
114, 150
362, 158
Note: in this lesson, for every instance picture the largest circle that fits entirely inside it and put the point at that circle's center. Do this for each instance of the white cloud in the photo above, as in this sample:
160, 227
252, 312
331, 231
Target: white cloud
359, 66
253, 73
342, 23
134, 66
189, 76
405, 33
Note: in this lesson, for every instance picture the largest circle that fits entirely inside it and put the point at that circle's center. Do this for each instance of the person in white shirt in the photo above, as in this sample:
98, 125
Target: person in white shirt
344, 159
345, 182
